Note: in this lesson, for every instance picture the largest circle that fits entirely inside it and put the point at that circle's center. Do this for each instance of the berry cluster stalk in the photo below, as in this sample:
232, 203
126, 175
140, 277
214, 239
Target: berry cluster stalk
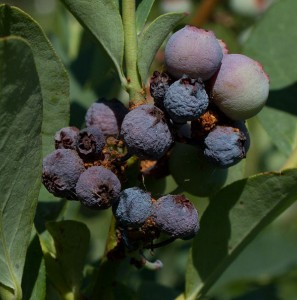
134, 87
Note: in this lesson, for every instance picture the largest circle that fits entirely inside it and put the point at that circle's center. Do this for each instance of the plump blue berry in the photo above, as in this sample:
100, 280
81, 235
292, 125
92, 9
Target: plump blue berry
194, 52
66, 137
185, 100
60, 172
146, 132
90, 142
133, 207
98, 187
106, 115
240, 88
176, 216
225, 146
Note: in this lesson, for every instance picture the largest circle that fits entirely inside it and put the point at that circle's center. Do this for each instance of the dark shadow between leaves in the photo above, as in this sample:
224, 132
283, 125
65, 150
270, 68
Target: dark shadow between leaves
284, 99
77, 114
210, 246
31, 268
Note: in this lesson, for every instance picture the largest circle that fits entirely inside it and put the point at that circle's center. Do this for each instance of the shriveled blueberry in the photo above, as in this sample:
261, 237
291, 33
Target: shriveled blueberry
60, 172
194, 52
133, 207
90, 142
225, 146
146, 132
176, 216
186, 100
65, 138
98, 187
108, 115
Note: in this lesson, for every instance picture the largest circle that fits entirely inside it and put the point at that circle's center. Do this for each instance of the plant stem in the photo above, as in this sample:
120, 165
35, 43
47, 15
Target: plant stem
203, 12
134, 87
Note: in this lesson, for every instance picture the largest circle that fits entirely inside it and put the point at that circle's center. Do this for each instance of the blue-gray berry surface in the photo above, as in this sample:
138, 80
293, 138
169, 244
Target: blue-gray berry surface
90, 143
176, 216
133, 207
66, 137
60, 172
185, 100
225, 146
107, 115
146, 133
98, 188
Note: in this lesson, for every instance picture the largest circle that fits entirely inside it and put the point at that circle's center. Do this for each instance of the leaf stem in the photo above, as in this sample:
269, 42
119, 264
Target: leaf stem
133, 86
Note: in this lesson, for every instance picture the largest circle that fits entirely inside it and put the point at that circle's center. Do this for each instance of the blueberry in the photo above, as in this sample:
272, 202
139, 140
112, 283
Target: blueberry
60, 172
106, 115
176, 216
240, 87
194, 52
146, 132
186, 100
133, 207
65, 138
159, 85
225, 146
90, 143
98, 187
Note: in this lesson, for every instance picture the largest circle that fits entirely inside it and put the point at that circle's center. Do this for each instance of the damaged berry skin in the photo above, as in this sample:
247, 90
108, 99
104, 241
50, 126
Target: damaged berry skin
90, 142
176, 216
194, 52
60, 172
65, 138
186, 100
240, 88
98, 188
106, 115
146, 133
133, 207
225, 146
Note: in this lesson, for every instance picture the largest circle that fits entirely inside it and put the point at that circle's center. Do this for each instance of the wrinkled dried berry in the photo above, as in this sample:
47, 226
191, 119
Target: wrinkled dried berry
65, 138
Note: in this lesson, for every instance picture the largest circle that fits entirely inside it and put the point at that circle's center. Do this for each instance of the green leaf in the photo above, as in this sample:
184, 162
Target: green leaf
152, 38
20, 155
142, 13
52, 75
275, 50
102, 19
65, 247
233, 218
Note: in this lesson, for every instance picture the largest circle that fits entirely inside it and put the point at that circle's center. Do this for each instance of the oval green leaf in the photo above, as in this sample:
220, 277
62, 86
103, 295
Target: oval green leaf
20, 155
152, 38
52, 75
102, 19
276, 51
142, 13
233, 218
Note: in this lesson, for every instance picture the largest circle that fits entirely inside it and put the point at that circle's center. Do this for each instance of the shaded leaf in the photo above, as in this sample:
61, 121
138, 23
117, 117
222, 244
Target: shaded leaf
103, 20
65, 246
142, 13
275, 50
52, 75
152, 38
20, 155
233, 218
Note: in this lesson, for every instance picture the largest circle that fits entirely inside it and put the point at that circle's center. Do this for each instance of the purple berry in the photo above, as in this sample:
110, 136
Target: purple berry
225, 146
65, 138
107, 115
90, 143
98, 188
176, 216
146, 132
159, 85
60, 172
186, 100
194, 52
133, 207
240, 88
